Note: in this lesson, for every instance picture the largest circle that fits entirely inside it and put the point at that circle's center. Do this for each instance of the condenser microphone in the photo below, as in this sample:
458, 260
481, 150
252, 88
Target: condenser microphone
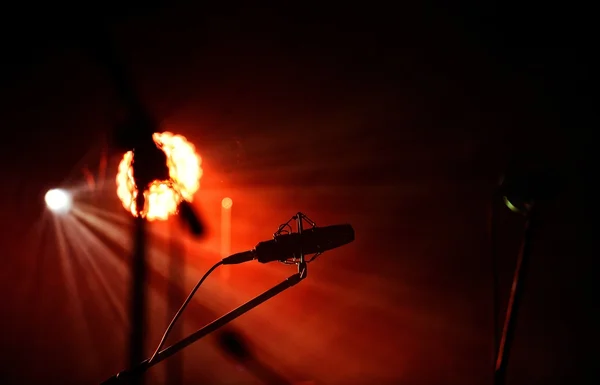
286, 246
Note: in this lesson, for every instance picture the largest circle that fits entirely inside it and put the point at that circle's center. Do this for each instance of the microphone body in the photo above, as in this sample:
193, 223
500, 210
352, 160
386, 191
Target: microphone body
286, 246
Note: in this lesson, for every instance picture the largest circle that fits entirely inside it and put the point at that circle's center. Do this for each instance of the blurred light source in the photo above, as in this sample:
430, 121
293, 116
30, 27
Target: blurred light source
163, 196
227, 203
521, 188
58, 201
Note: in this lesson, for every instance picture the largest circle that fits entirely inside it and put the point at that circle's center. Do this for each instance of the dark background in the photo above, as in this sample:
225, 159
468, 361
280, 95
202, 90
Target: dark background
399, 120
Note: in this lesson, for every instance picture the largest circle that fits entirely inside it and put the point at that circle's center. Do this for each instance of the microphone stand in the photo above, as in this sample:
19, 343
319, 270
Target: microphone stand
149, 163
514, 302
174, 367
131, 374
138, 291
135, 373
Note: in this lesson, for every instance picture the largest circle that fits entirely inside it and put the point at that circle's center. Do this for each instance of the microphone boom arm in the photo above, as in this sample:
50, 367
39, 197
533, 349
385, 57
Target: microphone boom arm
130, 374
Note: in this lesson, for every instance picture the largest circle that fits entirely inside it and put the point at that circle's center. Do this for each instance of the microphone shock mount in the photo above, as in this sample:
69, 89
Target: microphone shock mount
286, 228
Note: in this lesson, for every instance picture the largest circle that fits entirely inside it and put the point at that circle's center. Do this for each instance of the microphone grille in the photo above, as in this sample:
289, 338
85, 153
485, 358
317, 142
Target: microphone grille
321, 239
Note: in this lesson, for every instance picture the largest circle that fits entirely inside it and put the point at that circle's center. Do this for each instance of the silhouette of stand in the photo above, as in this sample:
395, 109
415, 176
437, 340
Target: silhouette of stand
174, 367
235, 346
514, 302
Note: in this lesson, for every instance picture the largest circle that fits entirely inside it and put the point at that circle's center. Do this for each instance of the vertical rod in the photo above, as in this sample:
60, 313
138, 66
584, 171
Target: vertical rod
514, 302
174, 367
226, 207
300, 256
495, 286
138, 292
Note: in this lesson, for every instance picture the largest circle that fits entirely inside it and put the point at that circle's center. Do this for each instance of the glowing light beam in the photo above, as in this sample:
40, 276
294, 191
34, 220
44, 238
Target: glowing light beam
226, 205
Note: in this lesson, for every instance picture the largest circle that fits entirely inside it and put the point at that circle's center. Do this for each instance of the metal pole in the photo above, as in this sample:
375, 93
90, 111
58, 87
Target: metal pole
138, 370
516, 295
174, 367
226, 207
138, 293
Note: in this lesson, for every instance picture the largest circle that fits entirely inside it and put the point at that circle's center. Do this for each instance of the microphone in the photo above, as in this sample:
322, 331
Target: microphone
285, 246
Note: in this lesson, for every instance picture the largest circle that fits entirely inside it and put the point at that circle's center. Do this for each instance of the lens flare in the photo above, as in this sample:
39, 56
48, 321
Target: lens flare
163, 196
226, 203
58, 200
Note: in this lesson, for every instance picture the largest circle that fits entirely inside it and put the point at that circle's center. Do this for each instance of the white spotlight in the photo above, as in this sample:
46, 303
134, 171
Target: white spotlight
59, 201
